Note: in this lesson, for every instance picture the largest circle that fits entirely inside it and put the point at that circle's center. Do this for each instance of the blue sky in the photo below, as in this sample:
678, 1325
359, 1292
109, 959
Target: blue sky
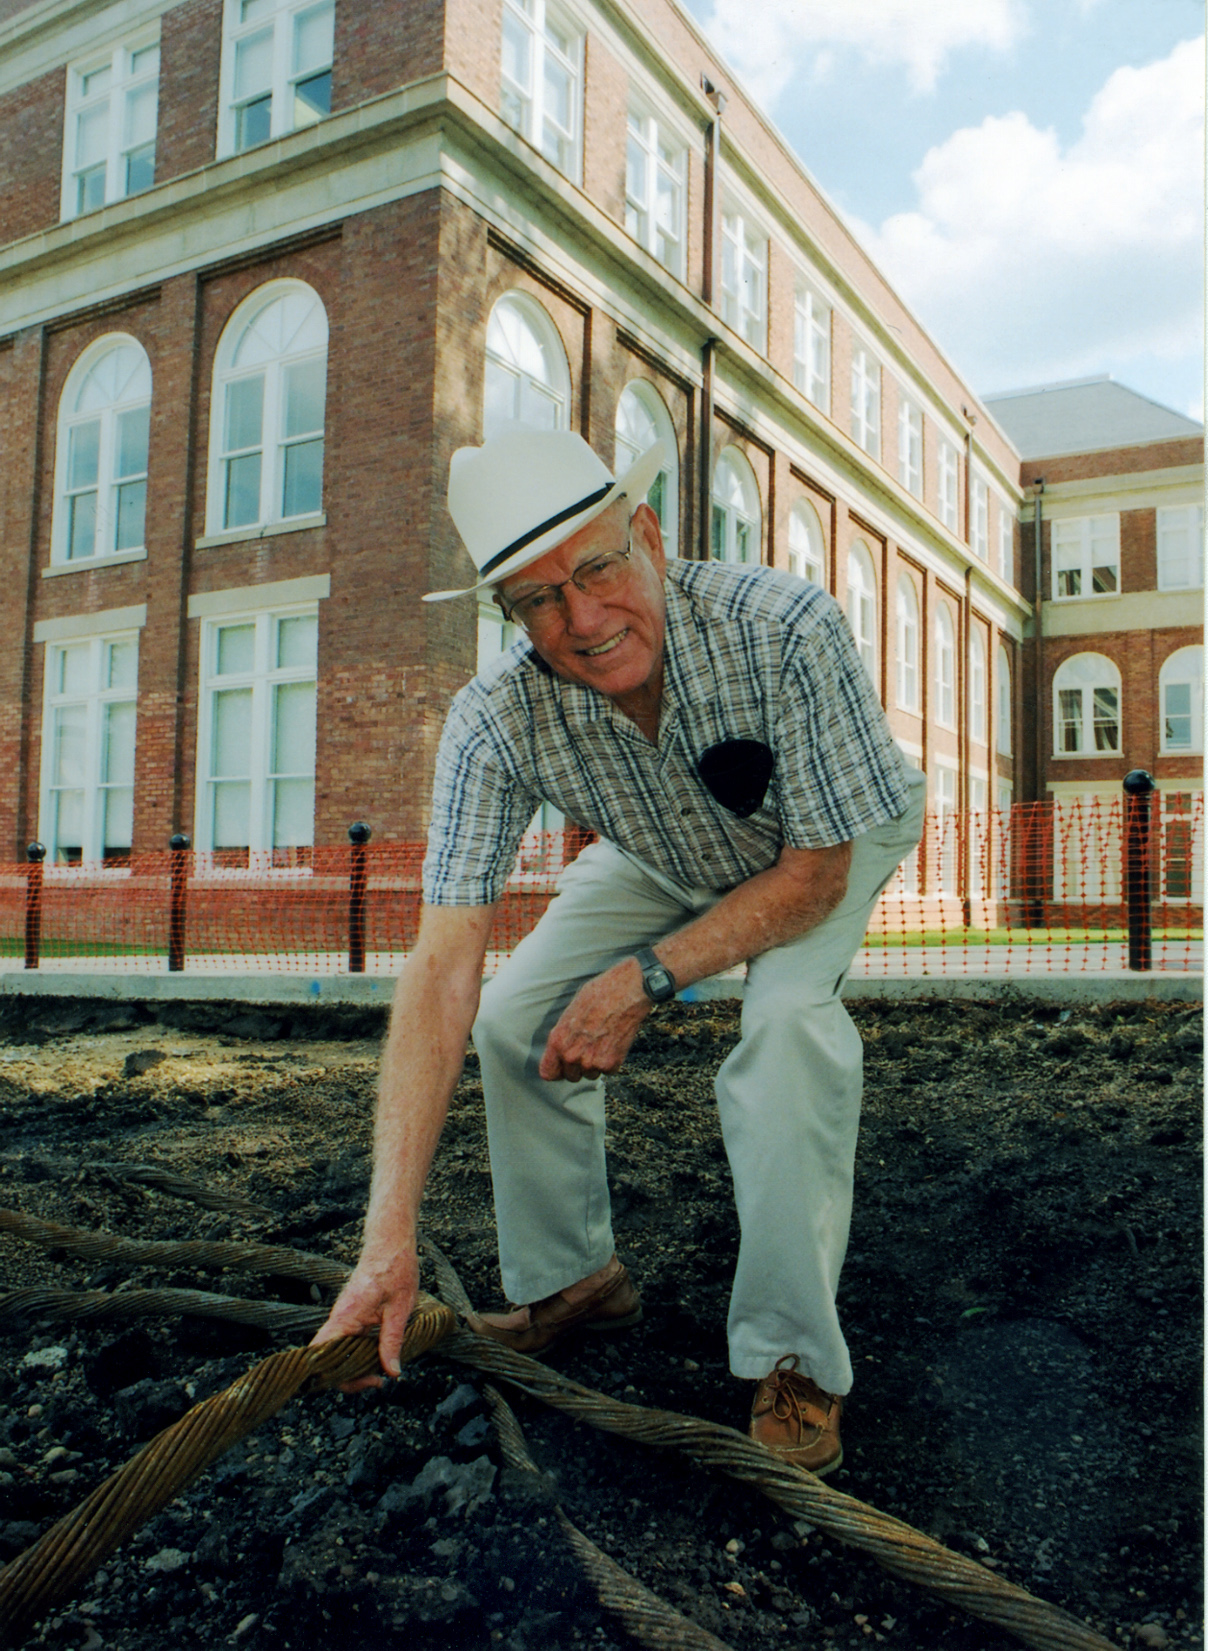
1028, 173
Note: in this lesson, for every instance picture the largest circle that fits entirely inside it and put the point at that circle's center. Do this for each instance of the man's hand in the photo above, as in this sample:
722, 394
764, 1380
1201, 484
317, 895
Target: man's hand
597, 1026
381, 1292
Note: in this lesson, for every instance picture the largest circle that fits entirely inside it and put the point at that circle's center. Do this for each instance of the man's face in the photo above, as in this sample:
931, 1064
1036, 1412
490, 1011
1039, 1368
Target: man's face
614, 643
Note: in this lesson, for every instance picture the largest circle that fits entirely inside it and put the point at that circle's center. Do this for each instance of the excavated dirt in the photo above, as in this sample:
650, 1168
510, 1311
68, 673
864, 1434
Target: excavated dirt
1022, 1297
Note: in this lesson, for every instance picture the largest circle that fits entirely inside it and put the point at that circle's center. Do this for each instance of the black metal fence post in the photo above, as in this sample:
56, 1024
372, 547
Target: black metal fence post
178, 911
358, 882
1138, 787
35, 854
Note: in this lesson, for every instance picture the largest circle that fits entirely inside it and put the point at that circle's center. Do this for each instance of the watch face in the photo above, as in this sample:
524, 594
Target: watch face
659, 983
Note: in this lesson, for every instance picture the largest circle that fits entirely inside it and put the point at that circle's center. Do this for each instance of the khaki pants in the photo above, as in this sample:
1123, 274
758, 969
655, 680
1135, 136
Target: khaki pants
788, 1097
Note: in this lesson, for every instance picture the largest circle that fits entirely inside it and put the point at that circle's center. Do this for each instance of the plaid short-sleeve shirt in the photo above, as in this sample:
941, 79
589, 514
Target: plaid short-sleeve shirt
749, 653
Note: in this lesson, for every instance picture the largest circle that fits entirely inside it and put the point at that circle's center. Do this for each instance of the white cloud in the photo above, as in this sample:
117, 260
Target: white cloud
1031, 261
772, 41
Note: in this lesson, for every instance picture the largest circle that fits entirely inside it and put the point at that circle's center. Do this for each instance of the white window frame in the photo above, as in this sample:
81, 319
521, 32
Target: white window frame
526, 107
807, 544
1183, 669
910, 446
866, 400
946, 789
944, 638
1091, 676
262, 679
539, 398
1080, 548
736, 514
275, 439
1180, 536
109, 484
133, 66
907, 615
977, 686
655, 201
642, 413
1174, 814
947, 473
1002, 733
744, 275
979, 519
861, 604
1006, 539
287, 112
812, 346
97, 701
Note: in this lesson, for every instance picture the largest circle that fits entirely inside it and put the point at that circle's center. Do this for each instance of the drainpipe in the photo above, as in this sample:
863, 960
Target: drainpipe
970, 420
712, 227
965, 737
1040, 721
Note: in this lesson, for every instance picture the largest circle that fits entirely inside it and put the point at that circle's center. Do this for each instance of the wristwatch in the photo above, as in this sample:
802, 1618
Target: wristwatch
657, 979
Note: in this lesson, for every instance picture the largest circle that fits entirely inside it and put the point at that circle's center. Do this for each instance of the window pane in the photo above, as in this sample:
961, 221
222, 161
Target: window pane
74, 674
294, 728
145, 62
1178, 716
1106, 723
516, 47
303, 490
1103, 577
293, 813
131, 516
298, 641
133, 433
232, 747
254, 65
83, 451
117, 743
244, 413
92, 135
140, 115
501, 388
140, 169
121, 670
232, 812
236, 649
243, 491
312, 99
305, 389
314, 40
90, 189
1070, 703
252, 9
118, 823
96, 82
70, 744
69, 827
253, 123
81, 526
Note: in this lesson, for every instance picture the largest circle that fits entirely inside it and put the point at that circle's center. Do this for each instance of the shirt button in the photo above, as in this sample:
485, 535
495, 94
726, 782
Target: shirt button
686, 812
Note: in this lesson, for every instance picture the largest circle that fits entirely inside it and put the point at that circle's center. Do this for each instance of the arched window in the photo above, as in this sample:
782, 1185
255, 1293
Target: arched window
977, 687
526, 375
642, 419
945, 667
736, 524
908, 644
1181, 690
1086, 706
1003, 733
101, 455
267, 410
862, 604
807, 549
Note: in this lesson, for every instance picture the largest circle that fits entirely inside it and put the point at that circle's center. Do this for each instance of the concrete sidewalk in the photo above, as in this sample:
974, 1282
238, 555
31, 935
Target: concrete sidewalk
1082, 974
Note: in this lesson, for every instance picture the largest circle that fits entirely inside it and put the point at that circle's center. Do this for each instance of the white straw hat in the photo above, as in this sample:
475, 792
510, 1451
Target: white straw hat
525, 491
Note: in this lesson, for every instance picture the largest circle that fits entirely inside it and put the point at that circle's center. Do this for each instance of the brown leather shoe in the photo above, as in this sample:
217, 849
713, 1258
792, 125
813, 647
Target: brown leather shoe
615, 1305
794, 1419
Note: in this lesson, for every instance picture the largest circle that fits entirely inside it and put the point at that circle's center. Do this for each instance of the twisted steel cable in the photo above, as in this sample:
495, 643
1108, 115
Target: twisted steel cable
277, 1259
104, 1306
53, 1568
898, 1547
160, 1179
648, 1618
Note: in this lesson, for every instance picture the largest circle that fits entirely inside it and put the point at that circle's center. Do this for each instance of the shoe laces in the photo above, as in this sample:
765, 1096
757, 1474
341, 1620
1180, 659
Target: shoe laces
785, 1384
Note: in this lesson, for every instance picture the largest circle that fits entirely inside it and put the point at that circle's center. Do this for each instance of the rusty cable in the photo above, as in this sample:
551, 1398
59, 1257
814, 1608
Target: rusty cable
53, 1568
276, 1259
104, 1306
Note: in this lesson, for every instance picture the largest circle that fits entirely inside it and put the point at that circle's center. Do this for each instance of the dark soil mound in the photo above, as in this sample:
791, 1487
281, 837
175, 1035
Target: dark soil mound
1022, 1298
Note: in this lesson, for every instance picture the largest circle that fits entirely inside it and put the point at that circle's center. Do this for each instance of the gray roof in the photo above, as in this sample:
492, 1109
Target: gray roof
1084, 415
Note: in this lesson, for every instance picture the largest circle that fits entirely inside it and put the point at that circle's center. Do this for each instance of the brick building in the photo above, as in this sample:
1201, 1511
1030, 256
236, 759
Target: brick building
264, 264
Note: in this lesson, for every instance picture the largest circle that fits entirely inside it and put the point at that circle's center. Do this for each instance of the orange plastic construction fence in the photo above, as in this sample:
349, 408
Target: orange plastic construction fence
1037, 888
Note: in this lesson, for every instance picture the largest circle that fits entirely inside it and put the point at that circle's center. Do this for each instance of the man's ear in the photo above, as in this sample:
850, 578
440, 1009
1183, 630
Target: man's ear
644, 525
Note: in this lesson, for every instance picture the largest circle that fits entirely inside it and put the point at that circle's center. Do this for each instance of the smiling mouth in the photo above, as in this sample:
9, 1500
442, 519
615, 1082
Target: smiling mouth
606, 647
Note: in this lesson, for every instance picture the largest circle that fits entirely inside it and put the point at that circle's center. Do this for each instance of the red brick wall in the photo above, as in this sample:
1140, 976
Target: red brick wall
1117, 461
31, 155
384, 45
190, 53
605, 108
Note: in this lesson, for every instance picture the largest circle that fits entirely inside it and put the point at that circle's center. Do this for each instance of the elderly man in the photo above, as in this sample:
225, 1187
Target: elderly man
714, 727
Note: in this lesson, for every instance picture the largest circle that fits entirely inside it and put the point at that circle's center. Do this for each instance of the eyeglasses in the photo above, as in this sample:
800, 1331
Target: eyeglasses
539, 611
